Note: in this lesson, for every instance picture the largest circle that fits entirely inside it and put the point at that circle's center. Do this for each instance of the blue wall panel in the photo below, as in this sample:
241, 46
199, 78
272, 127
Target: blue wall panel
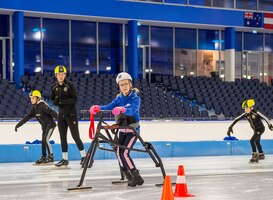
131, 10
30, 153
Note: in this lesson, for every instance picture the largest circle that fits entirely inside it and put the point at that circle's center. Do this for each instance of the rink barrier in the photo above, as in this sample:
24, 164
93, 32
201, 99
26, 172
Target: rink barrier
31, 152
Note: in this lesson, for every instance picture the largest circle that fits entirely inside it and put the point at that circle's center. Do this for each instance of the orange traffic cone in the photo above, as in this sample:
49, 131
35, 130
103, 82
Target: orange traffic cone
167, 193
181, 189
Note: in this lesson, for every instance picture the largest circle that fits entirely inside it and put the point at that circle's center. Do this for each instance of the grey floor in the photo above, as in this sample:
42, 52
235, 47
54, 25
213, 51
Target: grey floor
209, 178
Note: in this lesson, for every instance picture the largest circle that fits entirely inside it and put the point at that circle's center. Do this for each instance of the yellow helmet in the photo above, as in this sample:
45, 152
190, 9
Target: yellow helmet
35, 93
248, 103
60, 69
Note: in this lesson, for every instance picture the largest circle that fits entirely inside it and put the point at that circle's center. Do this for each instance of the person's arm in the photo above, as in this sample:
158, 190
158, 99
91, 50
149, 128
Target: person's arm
134, 107
73, 98
25, 119
230, 130
265, 118
53, 98
111, 105
49, 111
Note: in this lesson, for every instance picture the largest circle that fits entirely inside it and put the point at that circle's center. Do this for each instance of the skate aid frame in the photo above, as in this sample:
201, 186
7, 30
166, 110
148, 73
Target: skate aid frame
111, 137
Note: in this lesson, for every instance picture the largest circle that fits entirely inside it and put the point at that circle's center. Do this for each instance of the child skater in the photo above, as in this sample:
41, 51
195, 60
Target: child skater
254, 117
126, 103
45, 116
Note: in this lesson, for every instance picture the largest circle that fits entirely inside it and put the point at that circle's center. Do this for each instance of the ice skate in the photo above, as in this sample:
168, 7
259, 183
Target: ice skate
40, 161
128, 177
255, 158
62, 164
261, 156
136, 179
49, 160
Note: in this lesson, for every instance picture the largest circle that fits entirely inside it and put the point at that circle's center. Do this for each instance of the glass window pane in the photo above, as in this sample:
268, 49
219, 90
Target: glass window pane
208, 39
185, 52
83, 41
238, 41
268, 67
201, 2
55, 43
4, 25
32, 38
176, 1
266, 5
238, 64
246, 4
223, 3
253, 42
268, 43
162, 50
110, 48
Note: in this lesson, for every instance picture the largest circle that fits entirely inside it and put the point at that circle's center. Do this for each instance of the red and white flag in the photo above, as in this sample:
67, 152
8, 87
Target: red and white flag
268, 20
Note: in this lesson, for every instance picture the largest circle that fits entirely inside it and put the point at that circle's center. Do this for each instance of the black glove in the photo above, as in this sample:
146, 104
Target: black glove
16, 127
270, 126
230, 130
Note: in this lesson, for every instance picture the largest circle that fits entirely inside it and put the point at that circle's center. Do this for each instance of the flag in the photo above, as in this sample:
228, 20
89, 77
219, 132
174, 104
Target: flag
268, 20
253, 19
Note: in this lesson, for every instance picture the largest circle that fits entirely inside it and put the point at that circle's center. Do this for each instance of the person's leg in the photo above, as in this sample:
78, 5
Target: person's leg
258, 144
48, 134
253, 146
62, 126
74, 129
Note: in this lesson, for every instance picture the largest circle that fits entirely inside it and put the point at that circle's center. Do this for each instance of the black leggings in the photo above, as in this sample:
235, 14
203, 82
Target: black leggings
72, 123
124, 158
255, 141
45, 140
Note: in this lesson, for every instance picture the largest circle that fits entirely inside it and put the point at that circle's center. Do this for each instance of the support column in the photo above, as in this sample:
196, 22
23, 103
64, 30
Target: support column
132, 49
18, 50
230, 54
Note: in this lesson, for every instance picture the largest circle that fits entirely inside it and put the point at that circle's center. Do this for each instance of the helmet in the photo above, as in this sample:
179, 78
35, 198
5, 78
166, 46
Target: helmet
123, 76
248, 103
35, 93
60, 69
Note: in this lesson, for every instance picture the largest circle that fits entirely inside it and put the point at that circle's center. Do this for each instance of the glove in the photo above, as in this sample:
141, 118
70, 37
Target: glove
117, 110
94, 109
270, 126
16, 127
230, 130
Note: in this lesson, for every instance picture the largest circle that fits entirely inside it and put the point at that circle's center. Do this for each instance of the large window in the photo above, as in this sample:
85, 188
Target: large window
32, 38
253, 42
143, 51
238, 55
246, 4
110, 48
266, 5
162, 50
185, 52
208, 53
83, 41
201, 2
223, 3
268, 58
55, 43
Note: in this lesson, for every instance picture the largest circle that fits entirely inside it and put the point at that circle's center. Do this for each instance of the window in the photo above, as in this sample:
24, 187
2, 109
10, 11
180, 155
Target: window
208, 52
185, 52
223, 3
32, 38
4, 26
266, 5
162, 50
83, 36
110, 48
246, 4
176, 1
253, 42
200, 2
55, 43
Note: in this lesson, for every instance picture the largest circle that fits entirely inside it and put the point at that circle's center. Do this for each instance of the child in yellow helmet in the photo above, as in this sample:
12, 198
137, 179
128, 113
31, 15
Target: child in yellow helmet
44, 114
254, 117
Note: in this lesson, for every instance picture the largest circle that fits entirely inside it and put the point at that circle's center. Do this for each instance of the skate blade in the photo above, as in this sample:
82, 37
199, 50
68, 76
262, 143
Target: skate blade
253, 162
120, 182
79, 188
60, 168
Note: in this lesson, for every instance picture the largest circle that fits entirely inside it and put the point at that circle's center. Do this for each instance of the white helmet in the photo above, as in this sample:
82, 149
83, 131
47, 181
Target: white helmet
123, 76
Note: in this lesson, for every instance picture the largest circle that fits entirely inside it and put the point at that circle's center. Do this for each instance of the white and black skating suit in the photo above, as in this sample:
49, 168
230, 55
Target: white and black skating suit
255, 120
45, 116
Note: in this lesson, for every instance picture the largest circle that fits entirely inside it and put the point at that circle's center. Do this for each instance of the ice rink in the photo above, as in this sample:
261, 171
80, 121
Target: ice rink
221, 177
